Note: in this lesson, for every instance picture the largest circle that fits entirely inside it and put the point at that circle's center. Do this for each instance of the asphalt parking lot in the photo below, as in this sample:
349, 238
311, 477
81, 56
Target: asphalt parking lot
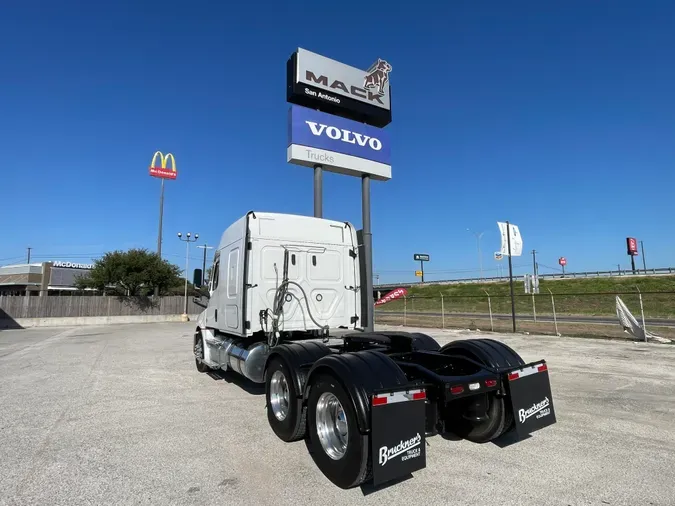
119, 415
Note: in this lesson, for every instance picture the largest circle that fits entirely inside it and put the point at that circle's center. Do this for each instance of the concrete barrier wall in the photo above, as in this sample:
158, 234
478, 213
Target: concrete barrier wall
66, 321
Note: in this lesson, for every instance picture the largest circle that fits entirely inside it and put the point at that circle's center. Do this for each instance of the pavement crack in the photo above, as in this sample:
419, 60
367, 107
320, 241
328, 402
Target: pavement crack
78, 396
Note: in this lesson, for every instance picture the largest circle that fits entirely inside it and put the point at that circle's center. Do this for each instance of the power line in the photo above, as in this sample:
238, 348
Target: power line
557, 269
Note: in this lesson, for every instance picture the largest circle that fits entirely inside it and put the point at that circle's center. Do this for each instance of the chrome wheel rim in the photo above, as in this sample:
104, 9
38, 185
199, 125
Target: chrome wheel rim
331, 426
279, 395
199, 351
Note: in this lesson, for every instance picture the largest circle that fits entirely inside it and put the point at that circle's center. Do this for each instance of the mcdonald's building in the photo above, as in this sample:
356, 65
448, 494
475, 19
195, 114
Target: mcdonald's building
44, 278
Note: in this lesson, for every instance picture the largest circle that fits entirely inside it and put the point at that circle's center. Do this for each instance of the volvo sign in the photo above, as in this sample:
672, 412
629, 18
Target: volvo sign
337, 144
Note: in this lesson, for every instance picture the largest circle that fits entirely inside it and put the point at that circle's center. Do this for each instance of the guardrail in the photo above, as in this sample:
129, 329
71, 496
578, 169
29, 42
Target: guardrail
663, 271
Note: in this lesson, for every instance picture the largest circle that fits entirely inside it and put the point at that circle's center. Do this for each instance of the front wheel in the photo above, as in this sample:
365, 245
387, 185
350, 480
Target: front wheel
337, 447
199, 354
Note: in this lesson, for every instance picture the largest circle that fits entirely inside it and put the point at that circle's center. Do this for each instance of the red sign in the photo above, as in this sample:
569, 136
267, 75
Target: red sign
632, 246
562, 261
163, 173
394, 294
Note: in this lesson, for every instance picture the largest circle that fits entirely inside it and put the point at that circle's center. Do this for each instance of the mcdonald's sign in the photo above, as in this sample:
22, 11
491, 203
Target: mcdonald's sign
162, 171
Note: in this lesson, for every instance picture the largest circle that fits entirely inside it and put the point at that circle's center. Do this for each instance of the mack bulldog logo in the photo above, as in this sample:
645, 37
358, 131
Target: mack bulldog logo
377, 76
344, 135
409, 447
311, 78
540, 409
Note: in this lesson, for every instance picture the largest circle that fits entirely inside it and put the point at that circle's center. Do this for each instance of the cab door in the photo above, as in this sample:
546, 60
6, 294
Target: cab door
214, 289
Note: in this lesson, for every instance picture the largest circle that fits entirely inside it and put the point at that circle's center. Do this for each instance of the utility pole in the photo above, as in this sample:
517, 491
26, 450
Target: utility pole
535, 273
187, 242
644, 261
204, 247
29, 248
534, 263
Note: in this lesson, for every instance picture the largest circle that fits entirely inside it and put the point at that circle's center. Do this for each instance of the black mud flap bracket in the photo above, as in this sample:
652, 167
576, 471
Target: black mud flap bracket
398, 445
531, 398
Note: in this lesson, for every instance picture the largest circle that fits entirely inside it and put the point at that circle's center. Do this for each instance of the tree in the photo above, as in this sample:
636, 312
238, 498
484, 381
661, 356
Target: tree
135, 272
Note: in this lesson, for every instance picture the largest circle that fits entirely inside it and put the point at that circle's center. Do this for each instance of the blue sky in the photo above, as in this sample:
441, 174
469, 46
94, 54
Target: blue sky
559, 118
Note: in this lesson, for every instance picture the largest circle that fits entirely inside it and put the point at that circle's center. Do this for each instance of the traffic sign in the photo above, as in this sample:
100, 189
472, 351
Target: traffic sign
418, 274
562, 261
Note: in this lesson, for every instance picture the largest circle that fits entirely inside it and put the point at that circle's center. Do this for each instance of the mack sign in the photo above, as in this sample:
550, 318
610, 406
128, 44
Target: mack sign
337, 144
318, 82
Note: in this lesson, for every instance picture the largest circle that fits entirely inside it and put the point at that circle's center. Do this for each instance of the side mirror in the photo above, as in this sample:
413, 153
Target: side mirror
197, 278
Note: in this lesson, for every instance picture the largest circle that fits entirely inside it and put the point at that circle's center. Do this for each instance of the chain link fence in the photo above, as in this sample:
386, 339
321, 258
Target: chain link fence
573, 314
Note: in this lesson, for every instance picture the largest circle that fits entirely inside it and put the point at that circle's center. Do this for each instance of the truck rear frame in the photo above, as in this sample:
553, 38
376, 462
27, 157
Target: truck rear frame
363, 402
478, 389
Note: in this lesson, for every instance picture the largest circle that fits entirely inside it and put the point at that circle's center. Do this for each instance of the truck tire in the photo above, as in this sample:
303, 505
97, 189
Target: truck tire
423, 342
285, 377
486, 351
494, 354
339, 450
199, 353
285, 412
338, 406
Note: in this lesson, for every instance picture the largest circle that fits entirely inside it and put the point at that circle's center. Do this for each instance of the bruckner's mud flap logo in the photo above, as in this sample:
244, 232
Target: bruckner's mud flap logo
531, 399
410, 448
397, 449
540, 409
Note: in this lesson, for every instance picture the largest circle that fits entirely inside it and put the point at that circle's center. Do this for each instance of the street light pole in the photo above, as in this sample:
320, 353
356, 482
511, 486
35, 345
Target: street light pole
480, 257
187, 241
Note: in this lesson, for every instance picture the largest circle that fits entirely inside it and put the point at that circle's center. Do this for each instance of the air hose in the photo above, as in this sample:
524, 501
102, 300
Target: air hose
278, 305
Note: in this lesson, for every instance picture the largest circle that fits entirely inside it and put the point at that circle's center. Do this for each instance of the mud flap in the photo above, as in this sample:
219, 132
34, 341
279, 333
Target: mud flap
398, 445
531, 399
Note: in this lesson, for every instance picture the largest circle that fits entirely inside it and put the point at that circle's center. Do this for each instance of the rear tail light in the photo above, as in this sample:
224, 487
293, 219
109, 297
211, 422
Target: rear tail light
378, 401
542, 368
419, 395
490, 383
513, 376
457, 389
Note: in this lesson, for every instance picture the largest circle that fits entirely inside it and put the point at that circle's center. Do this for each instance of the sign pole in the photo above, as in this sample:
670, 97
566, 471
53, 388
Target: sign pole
159, 235
644, 261
318, 191
422, 269
161, 216
513, 303
367, 291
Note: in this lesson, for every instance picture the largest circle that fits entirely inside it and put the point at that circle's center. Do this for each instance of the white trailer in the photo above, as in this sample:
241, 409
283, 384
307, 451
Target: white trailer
281, 286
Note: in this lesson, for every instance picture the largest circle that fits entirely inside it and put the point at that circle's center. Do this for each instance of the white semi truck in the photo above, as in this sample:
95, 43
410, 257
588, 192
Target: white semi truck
284, 309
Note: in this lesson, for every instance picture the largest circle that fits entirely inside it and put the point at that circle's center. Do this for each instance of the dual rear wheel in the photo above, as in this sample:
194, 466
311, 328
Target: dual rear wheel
329, 420
496, 416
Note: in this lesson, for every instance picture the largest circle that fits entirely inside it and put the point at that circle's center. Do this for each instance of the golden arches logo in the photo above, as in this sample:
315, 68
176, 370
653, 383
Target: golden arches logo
162, 171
